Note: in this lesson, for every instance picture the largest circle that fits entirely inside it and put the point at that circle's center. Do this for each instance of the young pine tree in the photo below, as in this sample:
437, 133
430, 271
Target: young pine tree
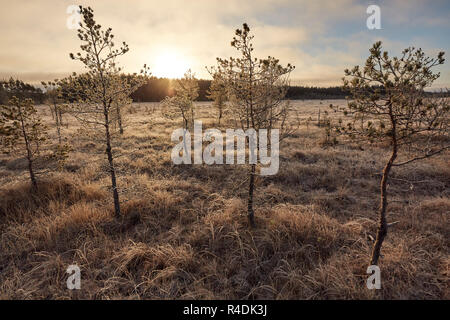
56, 104
218, 93
21, 129
256, 89
389, 104
98, 94
182, 103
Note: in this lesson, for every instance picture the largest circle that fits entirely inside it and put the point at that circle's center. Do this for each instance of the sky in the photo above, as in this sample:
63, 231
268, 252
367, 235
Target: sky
321, 38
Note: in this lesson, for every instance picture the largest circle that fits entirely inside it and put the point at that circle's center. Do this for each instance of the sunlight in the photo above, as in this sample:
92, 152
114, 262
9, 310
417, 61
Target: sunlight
170, 64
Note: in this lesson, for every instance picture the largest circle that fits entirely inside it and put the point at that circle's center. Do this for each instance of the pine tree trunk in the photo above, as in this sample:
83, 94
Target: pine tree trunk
251, 187
382, 223
32, 176
119, 119
58, 124
112, 170
60, 117
30, 162
29, 153
52, 112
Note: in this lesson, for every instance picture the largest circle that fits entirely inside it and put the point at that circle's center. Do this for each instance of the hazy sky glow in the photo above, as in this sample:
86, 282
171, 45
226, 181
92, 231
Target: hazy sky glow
321, 38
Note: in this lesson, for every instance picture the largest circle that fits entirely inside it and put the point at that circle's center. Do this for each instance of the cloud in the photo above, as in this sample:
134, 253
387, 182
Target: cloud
320, 37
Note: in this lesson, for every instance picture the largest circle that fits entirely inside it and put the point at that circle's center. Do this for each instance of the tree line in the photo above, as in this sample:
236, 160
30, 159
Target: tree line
156, 89
19, 89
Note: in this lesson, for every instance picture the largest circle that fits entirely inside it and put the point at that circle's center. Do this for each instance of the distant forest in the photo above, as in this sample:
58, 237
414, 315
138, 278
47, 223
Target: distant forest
158, 88
21, 91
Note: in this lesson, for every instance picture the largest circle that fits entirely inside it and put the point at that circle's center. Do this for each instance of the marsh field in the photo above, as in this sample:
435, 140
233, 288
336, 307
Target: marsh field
184, 232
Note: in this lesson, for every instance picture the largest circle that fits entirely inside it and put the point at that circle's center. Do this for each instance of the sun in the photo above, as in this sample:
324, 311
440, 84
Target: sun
170, 64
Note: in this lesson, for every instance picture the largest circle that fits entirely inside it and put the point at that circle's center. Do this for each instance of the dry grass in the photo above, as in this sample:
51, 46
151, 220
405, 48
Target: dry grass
184, 233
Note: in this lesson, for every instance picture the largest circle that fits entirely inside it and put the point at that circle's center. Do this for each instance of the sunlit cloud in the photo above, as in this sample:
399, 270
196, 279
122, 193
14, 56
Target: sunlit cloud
321, 38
